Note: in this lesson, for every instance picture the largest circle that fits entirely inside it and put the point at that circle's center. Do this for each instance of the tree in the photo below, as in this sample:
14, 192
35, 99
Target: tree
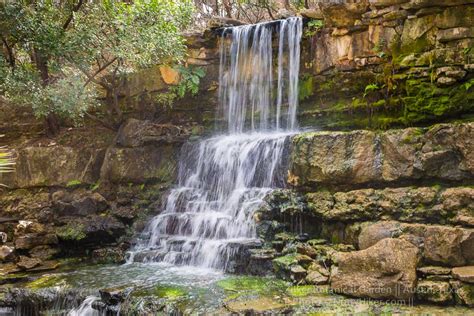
57, 55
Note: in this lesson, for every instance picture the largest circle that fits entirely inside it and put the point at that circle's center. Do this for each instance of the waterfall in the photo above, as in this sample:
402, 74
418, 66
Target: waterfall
208, 216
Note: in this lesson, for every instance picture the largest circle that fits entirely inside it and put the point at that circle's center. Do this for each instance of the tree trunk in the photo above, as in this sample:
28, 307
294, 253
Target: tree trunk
52, 124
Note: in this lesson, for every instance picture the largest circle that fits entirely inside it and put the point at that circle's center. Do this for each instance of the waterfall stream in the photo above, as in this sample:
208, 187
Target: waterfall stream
208, 216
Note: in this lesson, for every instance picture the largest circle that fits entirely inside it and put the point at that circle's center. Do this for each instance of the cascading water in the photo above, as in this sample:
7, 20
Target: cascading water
207, 217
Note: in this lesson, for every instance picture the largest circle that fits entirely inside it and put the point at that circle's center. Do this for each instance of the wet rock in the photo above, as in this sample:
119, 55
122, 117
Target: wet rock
283, 267
32, 240
317, 275
258, 306
463, 293
91, 231
78, 203
108, 255
43, 252
260, 262
446, 81
114, 296
8, 268
297, 273
386, 270
307, 250
27, 227
6, 253
434, 292
27, 263
465, 274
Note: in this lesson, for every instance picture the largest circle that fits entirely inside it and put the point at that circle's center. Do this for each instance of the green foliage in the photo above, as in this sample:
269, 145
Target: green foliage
61, 53
379, 48
313, 27
302, 290
306, 88
6, 160
189, 81
467, 85
370, 88
249, 285
46, 281
71, 232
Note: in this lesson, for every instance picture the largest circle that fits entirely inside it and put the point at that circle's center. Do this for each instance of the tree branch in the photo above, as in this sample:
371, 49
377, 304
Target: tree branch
74, 9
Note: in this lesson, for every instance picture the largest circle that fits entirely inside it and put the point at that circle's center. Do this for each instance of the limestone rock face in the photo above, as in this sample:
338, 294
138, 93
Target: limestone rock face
409, 204
464, 293
343, 14
139, 165
371, 235
443, 152
54, 166
448, 246
386, 270
136, 133
434, 292
465, 274
30, 241
6, 253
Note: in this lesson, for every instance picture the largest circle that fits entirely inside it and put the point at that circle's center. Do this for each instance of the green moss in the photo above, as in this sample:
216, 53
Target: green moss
285, 262
302, 290
46, 281
169, 292
73, 183
413, 136
419, 45
243, 285
71, 232
306, 88
425, 101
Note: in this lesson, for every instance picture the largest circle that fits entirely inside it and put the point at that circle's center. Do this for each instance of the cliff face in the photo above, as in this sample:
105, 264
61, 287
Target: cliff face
381, 64
365, 211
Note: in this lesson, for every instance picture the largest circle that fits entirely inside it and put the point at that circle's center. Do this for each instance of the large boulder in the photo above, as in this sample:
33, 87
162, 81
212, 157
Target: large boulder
444, 245
386, 270
374, 233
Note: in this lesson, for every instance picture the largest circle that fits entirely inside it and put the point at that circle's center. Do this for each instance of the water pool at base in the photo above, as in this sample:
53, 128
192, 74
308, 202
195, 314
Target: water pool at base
159, 289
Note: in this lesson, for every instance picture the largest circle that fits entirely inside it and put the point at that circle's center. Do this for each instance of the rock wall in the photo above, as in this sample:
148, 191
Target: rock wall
383, 215
85, 193
379, 64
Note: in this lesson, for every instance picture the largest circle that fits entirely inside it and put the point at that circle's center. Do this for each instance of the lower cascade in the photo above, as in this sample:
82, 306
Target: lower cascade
208, 217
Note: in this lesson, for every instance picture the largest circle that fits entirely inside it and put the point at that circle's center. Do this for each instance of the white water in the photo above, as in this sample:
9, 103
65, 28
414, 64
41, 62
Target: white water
85, 309
207, 218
